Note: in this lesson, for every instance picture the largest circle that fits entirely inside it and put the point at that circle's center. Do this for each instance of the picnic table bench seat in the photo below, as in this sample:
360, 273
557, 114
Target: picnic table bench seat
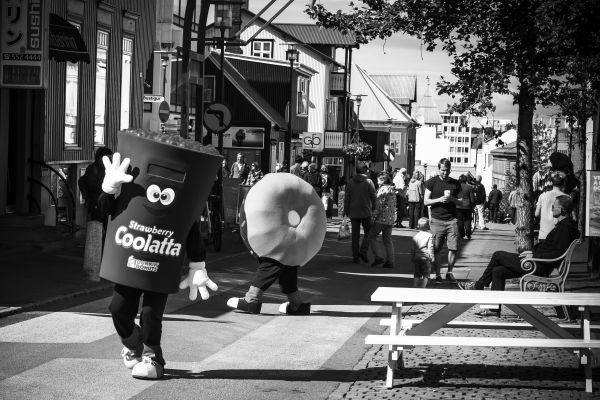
411, 333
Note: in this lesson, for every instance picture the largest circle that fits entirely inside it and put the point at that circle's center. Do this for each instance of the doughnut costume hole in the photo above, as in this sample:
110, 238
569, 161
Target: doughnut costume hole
293, 218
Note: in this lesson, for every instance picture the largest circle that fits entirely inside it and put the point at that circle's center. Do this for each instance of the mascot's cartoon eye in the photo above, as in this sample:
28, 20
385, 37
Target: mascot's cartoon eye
153, 193
167, 196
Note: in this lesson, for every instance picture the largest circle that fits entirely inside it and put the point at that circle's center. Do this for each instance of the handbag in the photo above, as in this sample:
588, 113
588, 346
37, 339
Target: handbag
344, 231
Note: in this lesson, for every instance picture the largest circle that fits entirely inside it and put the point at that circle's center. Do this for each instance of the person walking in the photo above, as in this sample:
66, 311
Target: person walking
543, 208
314, 178
225, 170
494, 199
441, 193
296, 167
422, 254
464, 209
384, 218
359, 204
254, 175
240, 169
90, 186
400, 185
414, 194
479, 197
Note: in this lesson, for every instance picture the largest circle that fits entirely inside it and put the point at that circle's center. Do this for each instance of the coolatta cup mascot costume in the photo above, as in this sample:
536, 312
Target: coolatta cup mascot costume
152, 197
282, 222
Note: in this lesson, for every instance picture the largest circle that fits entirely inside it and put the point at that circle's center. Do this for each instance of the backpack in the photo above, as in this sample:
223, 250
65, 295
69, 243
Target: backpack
413, 192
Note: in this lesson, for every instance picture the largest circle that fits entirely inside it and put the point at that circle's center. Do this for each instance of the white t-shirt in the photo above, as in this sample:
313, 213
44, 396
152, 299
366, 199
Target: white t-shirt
544, 211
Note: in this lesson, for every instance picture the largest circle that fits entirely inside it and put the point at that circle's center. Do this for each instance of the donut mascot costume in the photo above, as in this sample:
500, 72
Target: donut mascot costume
152, 197
283, 224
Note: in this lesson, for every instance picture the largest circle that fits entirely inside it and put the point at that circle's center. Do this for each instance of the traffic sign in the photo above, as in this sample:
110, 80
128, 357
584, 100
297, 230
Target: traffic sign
153, 98
164, 111
217, 117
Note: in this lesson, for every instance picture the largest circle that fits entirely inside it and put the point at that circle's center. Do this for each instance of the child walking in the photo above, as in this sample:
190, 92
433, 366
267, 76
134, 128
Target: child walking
422, 253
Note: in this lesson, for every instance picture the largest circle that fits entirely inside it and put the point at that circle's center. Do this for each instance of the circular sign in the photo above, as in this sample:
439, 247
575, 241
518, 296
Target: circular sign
164, 111
217, 117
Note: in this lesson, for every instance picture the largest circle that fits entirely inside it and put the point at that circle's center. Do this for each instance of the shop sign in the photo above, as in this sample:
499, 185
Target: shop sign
312, 141
23, 38
593, 200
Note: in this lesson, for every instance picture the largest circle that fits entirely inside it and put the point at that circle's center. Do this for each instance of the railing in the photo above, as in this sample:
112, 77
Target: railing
336, 82
71, 215
334, 140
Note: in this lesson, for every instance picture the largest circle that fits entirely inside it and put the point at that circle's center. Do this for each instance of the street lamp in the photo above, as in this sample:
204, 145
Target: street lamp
358, 101
425, 169
292, 55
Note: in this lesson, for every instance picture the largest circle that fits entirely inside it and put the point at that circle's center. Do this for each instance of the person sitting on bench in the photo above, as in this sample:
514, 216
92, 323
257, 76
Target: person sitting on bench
505, 265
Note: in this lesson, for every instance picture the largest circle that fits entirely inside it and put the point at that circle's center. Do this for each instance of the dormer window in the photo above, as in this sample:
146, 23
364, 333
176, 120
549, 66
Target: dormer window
262, 48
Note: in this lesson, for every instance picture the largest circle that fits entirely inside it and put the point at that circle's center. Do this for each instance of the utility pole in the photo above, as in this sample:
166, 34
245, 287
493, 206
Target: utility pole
185, 68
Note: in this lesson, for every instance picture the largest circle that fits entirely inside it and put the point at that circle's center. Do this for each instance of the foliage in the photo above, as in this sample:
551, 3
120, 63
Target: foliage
518, 47
543, 143
360, 150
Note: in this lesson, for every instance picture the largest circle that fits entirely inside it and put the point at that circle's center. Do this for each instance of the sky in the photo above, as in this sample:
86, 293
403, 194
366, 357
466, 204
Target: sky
400, 54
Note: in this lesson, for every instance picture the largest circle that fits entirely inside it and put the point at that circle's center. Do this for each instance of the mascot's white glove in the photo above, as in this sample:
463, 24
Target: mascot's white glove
116, 174
197, 280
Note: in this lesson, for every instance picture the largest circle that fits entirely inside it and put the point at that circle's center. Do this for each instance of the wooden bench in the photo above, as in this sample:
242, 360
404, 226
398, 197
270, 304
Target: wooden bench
408, 333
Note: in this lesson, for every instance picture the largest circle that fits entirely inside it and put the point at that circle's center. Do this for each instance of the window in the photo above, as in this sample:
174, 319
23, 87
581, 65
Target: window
262, 48
126, 82
71, 101
101, 75
302, 107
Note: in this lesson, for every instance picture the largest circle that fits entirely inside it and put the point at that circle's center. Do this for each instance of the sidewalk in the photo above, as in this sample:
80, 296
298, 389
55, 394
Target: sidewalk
432, 372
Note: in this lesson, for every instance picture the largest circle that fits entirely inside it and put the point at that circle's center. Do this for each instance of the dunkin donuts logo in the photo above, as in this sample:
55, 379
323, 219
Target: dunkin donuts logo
147, 243
142, 265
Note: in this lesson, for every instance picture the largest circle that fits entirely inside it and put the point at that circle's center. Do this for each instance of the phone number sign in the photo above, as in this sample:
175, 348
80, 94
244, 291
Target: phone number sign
22, 38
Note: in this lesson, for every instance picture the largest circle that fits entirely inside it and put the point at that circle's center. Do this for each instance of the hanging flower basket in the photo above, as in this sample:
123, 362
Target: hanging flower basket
360, 150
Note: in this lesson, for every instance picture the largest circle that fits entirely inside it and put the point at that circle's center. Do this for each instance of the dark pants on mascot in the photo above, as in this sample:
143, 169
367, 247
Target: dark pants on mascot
143, 339
270, 270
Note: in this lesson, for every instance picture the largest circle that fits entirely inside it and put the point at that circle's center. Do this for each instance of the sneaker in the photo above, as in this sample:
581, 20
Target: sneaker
129, 358
387, 265
438, 280
240, 304
148, 369
378, 260
303, 309
469, 285
485, 228
450, 277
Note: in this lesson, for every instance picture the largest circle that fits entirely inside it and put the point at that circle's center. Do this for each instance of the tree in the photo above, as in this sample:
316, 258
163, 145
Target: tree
542, 144
493, 44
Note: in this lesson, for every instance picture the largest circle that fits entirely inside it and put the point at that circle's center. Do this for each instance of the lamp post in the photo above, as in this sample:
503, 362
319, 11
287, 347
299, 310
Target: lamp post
356, 136
291, 54
224, 22
425, 169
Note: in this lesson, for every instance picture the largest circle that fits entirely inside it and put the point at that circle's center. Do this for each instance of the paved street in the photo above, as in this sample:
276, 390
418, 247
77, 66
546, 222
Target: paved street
67, 348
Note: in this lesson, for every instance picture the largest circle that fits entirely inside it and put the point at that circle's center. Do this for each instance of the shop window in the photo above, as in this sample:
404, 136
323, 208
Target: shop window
72, 100
127, 58
101, 76
302, 107
262, 48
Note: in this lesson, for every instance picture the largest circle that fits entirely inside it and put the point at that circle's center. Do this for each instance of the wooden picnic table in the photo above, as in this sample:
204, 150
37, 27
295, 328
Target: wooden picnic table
409, 333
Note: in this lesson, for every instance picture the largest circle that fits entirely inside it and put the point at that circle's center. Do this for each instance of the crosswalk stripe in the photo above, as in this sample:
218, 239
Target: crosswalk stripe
68, 328
74, 378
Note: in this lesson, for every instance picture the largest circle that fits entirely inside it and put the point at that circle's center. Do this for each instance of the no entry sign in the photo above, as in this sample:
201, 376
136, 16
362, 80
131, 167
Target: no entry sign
164, 112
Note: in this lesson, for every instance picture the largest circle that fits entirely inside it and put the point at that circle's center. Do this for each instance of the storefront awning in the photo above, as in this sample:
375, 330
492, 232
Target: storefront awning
66, 43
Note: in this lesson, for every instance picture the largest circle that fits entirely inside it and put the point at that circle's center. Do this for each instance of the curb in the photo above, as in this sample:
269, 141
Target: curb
5, 312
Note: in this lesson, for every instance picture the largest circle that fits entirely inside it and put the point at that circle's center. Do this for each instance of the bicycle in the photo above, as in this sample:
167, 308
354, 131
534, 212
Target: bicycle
212, 220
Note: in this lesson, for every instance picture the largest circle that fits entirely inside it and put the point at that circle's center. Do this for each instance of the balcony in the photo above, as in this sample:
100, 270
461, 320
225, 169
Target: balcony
334, 140
336, 84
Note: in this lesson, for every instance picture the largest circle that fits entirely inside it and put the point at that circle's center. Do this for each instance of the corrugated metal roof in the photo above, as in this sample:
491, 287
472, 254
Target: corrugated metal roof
401, 88
313, 34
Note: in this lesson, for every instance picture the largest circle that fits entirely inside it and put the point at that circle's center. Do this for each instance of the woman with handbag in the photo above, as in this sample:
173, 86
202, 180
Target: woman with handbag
384, 219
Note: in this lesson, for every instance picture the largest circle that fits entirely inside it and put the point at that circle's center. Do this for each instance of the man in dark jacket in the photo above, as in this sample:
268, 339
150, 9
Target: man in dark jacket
90, 186
359, 203
314, 178
505, 265
494, 199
